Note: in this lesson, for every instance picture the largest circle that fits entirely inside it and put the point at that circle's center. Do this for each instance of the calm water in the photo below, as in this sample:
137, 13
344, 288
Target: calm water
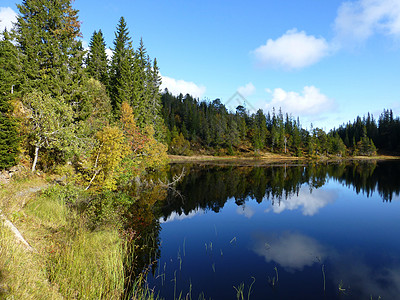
288, 232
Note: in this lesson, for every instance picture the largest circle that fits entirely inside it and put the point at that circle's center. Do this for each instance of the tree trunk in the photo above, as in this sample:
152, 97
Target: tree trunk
35, 159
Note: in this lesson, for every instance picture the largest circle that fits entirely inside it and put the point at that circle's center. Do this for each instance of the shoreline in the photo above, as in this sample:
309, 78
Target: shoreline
270, 159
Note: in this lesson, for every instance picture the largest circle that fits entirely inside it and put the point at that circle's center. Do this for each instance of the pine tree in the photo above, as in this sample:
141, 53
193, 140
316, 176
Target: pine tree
141, 95
96, 60
121, 77
9, 81
155, 102
47, 32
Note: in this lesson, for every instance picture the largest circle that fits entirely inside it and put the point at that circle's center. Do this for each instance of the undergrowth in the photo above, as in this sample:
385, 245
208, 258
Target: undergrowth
77, 235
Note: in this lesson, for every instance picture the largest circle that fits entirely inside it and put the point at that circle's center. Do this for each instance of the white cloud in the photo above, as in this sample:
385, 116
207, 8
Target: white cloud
176, 87
309, 102
247, 90
293, 50
7, 18
357, 21
109, 53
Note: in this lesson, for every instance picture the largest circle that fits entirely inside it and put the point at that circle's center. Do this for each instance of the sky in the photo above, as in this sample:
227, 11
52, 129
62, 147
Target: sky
325, 62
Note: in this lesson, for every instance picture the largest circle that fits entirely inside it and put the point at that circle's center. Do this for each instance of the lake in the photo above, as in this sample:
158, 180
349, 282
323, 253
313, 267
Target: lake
321, 231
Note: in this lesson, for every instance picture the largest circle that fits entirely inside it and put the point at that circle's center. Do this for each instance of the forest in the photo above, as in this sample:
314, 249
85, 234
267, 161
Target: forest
62, 106
60, 103
194, 125
91, 135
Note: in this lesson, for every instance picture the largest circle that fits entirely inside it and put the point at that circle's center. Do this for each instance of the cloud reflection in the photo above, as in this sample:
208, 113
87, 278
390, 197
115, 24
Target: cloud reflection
364, 280
292, 251
245, 210
359, 278
174, 216
309, 202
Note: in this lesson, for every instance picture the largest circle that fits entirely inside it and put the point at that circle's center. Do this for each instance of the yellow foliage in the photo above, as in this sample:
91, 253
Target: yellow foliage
154, 153
147, 152
132, 133
106, 158
123, 153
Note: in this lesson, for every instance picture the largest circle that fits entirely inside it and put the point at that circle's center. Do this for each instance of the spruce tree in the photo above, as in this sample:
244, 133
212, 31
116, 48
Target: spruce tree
141, 98
96, 60
9, 70
121, 80
47, 32
155, 101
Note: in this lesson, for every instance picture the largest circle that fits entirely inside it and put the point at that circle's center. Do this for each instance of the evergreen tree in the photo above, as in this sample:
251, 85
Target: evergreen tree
259, 130
47, 32
140, 99
96, 60
121, 78
9, 72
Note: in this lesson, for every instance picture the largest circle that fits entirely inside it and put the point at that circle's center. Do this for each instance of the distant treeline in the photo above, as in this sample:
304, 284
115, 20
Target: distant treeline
385, 133
209, 127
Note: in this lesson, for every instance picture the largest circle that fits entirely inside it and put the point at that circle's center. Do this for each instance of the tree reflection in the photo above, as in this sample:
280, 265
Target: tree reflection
142, 231
209, 187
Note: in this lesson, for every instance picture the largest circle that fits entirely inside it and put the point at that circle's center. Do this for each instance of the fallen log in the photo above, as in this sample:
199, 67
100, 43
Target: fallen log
7, 223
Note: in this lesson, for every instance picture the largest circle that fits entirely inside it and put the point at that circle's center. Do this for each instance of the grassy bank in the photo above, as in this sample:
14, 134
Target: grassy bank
70, 260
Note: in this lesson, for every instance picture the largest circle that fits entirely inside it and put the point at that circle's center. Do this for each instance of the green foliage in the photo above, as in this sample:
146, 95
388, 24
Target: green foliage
51, 29
50, 123
96, 60
94, 106
9, 140
121, 77
385, 133
179, 145
9, 74
365, 146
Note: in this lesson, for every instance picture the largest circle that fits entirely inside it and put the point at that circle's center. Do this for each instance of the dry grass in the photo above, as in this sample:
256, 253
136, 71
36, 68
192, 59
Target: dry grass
16, 194
71, 262
264, 158
22, 273
267, 158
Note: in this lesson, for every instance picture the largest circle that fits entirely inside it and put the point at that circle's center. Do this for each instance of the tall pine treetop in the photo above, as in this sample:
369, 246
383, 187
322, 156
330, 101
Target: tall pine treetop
120, 84
47, 32
96, 60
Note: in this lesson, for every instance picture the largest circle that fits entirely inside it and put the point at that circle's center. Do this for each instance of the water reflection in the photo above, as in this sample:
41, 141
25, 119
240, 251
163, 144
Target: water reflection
210, 187
179, 217
309, 201
362, 278
246, 211
291, 251
253, 226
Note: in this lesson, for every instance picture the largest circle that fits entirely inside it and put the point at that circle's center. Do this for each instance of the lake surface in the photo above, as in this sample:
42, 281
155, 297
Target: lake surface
283, 232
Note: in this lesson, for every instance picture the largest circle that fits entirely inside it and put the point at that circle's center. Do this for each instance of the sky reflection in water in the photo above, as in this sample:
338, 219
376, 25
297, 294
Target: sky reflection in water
351, 232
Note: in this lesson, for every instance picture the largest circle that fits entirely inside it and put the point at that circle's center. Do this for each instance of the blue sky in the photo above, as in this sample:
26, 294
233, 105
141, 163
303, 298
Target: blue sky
324, 61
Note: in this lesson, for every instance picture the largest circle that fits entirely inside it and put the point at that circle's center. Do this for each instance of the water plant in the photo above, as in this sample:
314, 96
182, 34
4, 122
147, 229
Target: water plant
340, 287
240, 290
274, 280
